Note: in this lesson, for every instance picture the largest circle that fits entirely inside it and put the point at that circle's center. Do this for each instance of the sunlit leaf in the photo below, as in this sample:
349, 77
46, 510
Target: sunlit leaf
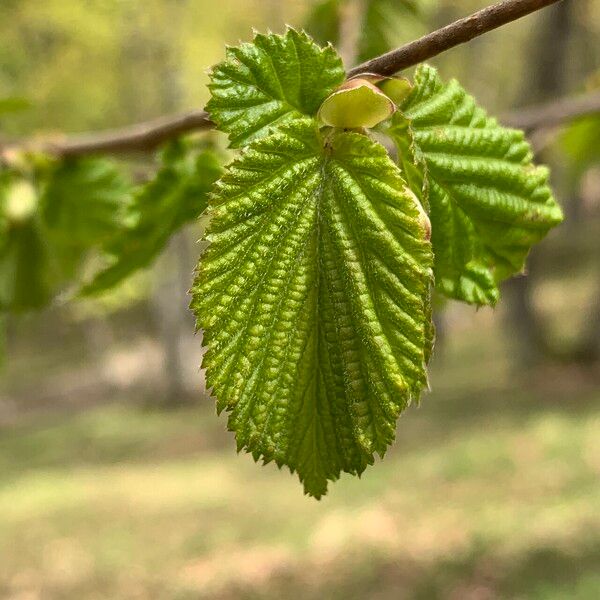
488, 202
270, 81
313, 297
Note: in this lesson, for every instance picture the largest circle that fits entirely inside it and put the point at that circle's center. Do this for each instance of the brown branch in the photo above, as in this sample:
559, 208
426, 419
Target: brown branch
456, 33
143, 137
147, 136
554, 113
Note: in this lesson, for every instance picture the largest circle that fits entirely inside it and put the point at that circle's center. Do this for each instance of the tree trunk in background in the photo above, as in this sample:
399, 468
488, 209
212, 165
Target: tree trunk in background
351, 23
170, 308
170, 302
547, 79
589, 347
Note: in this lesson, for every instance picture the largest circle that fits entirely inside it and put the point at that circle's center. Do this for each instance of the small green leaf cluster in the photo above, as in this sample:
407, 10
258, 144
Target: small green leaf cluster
314, 294
52, 215
61, 218
175, 196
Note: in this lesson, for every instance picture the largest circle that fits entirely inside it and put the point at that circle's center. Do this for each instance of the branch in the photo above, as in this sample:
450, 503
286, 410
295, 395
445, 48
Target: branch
456, 33
143, 137
553, 113
147, 136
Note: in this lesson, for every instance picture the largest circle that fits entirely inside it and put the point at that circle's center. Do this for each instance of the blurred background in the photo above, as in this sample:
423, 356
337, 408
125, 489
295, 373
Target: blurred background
117, 479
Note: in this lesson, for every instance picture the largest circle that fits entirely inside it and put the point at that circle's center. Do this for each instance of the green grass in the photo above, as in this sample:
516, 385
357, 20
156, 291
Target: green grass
490, 492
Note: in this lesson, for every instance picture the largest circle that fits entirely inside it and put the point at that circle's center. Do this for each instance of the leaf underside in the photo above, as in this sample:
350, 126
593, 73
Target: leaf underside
488, 202
312, 296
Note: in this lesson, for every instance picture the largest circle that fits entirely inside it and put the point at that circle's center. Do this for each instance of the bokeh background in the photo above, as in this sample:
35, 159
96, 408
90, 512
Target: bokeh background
117, 479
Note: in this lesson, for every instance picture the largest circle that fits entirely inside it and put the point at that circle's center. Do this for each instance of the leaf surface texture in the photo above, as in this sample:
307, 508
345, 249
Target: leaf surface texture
312, 296
488, 202
271, 81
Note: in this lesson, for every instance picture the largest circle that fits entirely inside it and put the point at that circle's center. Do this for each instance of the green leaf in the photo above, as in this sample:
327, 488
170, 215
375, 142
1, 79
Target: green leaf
49, 226
410, 159
82, 207
312, 296
176, 196
488, 202
84, 202
579, 140
269, 82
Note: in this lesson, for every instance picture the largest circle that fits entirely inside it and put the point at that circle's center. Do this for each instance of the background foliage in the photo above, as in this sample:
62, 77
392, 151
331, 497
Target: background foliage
491, 490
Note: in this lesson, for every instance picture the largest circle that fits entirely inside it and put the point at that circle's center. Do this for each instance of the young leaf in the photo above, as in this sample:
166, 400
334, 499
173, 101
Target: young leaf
84, 202
82, 206
269, 82
356, 103
176, 196
312, 296
488, 203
